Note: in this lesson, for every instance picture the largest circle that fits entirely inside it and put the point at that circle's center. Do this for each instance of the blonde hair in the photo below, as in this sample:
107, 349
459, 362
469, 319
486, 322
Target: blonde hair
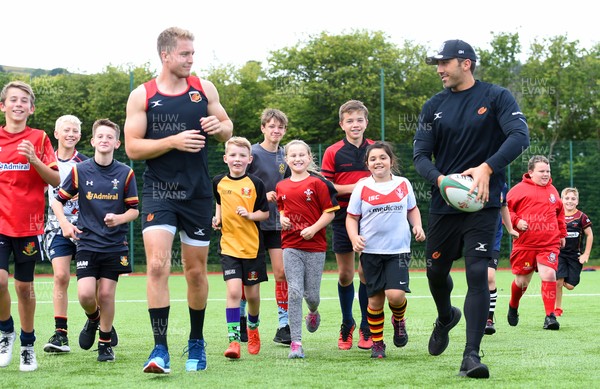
167, 40
239, 141
312, 167
564, 192
72, 119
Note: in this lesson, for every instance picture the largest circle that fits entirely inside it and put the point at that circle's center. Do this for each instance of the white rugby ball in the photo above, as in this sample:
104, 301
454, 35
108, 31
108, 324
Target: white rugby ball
455, 190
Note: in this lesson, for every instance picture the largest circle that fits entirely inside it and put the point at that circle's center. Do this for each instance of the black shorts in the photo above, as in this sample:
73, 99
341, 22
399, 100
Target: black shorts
385, 271
468, 234
194, 217
271, 239
250, 271
569, 268
493, 262
26, 251
102, 265
340, 241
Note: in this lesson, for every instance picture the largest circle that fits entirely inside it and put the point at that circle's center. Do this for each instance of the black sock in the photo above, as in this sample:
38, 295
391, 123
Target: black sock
60, 323
94, 316
159, 320
196, 323
27, 338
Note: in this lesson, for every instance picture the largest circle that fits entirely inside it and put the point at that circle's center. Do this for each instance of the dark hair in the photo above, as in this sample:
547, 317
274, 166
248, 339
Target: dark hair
106, 123
389, 150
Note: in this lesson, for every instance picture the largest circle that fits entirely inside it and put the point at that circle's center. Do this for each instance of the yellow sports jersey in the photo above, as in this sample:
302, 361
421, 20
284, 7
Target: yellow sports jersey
240, 237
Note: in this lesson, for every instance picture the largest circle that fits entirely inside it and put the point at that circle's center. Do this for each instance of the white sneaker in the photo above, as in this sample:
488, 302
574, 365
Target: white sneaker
7, 339
28, 361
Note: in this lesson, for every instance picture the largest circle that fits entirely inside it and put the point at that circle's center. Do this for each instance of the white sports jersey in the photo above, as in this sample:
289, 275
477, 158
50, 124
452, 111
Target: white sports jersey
382, 207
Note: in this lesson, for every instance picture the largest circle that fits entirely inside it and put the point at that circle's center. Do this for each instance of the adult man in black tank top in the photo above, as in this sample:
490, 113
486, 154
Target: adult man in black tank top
170, 121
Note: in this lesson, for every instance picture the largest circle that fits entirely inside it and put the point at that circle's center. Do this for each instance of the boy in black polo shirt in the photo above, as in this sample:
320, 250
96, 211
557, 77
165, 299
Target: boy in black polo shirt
107, 202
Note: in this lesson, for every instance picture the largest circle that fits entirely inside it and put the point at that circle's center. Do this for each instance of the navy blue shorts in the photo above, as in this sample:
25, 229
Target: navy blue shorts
102, 265
26, 251
250, 271
61, 247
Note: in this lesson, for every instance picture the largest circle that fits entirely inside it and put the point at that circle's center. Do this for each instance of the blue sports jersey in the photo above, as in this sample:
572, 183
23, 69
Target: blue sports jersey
101, 190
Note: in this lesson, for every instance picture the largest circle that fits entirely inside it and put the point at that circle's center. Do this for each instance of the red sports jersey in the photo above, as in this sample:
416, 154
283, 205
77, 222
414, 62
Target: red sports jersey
22, 199
344, 164
542, 209
303, 202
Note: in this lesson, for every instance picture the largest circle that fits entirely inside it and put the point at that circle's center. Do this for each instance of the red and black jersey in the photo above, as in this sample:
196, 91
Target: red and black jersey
344, 164
576, 224
22, 189
184, 175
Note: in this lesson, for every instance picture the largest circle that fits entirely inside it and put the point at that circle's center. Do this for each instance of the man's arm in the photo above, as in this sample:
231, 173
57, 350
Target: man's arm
217, 123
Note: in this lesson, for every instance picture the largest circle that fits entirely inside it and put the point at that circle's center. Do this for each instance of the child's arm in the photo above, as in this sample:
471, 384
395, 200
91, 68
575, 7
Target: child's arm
414, 218
49, 175
68, 229
505, 215
255, 216
115, 219
216, 220
358, 241
309, 232
286, 224
589, 239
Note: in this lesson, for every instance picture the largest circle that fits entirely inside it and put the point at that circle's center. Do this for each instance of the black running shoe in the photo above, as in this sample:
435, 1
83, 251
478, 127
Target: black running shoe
87, 336
114, 338
105, 352
283, 335
489, 328
400, 334
439, 337
58, 343
472, 367
513, 316
378, 350
550, 323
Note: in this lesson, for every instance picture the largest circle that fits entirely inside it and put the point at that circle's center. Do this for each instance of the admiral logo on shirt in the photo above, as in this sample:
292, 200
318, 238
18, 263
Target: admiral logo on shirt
101, 196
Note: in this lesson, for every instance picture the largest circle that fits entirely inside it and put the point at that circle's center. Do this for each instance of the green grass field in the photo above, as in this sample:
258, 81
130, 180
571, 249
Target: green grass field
525, 356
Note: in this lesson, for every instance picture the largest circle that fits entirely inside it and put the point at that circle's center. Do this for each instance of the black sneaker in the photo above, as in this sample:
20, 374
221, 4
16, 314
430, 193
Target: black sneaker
472, 367
58, 343
105, 352
87, 336
439, 337
551, 323
114, 338
513, 316
400, 334
378, 349
283, 335
243, 329
489, 328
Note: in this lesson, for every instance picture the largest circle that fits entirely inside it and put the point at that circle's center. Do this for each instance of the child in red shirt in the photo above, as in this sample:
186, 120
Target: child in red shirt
536, 211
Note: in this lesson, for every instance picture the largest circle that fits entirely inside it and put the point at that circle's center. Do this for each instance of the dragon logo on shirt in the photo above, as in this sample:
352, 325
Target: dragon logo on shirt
195, 96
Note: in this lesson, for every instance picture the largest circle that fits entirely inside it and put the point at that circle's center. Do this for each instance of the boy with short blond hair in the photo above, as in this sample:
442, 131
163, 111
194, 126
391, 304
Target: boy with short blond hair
241, 203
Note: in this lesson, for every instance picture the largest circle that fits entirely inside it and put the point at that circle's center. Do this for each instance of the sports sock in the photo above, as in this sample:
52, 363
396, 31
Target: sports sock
493, 298
104, 337
196, 323
281, 296
94, 316
363, 303
376, 319
27, 338
233, 323
243, 303
549, 296
60, 324
346, 296
253, 322
7, 325
399, 311
516, 292
159, 320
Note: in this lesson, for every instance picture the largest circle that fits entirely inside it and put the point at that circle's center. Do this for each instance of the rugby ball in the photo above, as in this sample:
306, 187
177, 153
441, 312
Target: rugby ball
455, 190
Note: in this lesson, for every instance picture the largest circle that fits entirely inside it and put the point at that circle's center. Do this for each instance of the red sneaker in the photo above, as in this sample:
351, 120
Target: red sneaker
345, 340
233, 351
365, 341
253, 341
